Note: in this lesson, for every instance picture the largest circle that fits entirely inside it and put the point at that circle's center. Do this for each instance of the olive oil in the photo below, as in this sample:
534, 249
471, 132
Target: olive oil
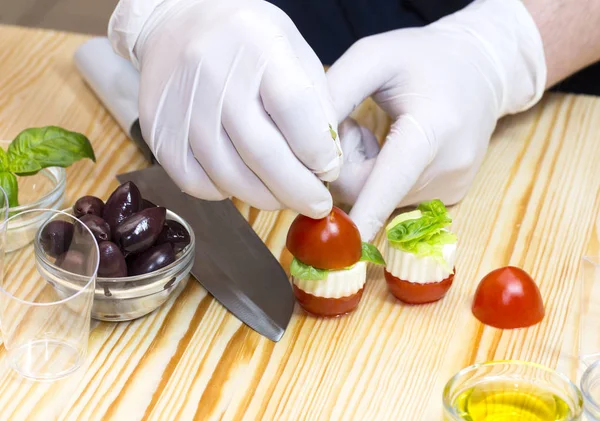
511, 401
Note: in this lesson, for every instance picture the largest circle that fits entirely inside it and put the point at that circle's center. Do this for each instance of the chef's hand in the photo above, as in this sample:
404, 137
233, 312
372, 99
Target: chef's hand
233, 101
445, 86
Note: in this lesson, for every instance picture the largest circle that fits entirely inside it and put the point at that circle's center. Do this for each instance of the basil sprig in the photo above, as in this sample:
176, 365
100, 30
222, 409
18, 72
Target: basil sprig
37, 148
301, 270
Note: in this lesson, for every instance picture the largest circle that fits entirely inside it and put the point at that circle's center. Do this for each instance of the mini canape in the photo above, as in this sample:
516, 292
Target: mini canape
329, 266
421, 254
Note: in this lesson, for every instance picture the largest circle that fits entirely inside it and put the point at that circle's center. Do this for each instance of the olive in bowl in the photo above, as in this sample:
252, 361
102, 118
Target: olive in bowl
133, 228
140, 265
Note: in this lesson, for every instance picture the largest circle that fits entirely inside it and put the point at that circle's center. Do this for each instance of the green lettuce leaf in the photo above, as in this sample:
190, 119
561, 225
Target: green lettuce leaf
305, 272
370, 253
422, 232
41, 147
435, 207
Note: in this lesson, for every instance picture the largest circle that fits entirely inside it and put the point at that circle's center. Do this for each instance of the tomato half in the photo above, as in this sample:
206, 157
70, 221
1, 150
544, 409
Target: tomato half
508, 298
332, 242
327, 307
414, 293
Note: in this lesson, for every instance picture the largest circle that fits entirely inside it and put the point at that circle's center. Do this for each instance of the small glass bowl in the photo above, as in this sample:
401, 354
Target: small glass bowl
489, 388
44, 190
131, 297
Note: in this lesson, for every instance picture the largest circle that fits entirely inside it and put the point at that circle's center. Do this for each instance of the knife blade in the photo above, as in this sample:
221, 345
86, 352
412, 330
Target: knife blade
231, 261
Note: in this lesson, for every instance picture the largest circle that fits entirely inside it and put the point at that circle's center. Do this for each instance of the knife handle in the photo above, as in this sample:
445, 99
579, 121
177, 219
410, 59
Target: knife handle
136, 135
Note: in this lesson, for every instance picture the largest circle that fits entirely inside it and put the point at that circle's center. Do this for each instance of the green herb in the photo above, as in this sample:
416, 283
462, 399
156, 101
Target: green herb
422, 232
37, 148
8, 181
300, 270
305, 272
370, 253
332, 132
3, 160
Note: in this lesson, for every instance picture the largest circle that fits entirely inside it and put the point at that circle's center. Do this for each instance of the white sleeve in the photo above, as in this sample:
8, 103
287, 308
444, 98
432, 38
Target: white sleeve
126, 24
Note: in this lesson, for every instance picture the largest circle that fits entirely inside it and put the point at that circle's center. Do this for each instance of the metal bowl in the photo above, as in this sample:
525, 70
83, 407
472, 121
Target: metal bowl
120, 299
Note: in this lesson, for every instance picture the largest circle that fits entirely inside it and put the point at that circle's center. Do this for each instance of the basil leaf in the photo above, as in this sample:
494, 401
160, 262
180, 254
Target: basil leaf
305, 272
3, 160
370, 253
8, 182
41, 147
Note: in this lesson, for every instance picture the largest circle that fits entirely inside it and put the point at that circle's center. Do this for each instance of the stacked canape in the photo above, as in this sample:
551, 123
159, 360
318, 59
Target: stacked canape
421, 254
329, 266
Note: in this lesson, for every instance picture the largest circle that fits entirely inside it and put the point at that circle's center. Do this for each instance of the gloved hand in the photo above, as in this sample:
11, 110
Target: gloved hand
233, 101
445, 86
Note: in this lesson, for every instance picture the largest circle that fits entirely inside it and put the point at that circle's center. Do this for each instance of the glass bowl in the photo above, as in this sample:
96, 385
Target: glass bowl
44, 190
511, 390
590, 387
131, 297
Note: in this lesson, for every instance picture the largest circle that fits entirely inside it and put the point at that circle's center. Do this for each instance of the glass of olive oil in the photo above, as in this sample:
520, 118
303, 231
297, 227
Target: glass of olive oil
511, 391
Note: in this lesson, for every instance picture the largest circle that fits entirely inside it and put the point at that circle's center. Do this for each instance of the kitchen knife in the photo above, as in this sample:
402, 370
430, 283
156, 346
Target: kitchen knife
231, 261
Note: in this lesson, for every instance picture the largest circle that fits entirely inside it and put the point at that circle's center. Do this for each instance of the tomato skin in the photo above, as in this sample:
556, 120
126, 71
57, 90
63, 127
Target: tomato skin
327, 307
414, 293
508, 298
331, 243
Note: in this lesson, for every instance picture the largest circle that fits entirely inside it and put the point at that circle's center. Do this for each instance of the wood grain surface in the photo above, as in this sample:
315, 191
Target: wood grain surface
534, 204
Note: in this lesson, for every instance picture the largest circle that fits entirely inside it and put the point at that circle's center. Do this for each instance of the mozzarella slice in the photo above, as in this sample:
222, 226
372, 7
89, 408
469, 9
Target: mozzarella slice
339, 283
421, 270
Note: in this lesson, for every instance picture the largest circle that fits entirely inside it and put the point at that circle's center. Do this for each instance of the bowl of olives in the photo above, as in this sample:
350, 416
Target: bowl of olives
146, 252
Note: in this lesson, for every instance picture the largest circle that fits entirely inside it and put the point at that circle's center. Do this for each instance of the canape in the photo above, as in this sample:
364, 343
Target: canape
421, 254
329, 267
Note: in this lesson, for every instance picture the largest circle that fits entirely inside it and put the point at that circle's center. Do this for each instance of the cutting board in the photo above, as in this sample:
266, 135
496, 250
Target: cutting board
533, 204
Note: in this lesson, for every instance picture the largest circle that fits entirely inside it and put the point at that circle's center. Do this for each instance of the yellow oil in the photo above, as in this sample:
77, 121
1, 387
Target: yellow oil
510, 401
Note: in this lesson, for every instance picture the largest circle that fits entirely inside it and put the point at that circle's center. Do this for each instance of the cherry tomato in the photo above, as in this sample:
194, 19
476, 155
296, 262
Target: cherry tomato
331, 243
414, 293
508, 298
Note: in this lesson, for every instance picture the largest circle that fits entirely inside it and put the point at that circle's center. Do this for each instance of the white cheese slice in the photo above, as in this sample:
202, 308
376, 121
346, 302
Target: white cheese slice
339, 283
421, 270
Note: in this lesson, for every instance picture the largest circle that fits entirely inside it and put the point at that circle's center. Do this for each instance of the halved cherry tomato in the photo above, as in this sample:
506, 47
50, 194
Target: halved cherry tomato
508, 298
327, 307
329, 243
414, 293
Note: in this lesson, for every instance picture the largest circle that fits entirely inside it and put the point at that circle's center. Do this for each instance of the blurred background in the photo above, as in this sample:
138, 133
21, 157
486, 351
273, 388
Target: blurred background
91, 17
84, 16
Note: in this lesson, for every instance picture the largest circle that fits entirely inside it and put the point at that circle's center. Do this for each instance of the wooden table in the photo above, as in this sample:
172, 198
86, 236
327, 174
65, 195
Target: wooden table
534, 204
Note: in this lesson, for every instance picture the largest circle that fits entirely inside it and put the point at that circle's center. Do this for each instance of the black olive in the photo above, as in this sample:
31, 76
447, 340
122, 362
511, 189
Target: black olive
175, 234
88, 205
151, 260
140, 231
122, 203
56, 237
98, 226
112, 263
72, 261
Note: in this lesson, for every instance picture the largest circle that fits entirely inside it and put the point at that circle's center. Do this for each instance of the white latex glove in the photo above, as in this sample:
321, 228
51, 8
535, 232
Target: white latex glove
233, 101
445, 86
